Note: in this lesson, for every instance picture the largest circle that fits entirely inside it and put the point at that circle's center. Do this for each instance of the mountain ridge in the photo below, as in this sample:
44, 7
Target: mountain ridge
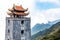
40, 27
51, 30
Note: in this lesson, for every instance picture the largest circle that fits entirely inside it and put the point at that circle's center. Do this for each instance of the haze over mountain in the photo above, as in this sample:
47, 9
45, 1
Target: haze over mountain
49, 34
40, 27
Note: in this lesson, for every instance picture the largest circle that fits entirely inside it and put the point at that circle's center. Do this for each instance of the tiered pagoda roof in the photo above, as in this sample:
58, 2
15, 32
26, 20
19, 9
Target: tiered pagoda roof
18, 11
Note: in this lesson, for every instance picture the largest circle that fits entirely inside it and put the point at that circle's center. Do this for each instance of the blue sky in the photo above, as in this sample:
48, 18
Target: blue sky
46, 5
41, 11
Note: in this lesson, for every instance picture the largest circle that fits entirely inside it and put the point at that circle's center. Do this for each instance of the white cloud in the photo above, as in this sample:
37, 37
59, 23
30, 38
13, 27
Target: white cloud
52, 14
45, 16
38, 17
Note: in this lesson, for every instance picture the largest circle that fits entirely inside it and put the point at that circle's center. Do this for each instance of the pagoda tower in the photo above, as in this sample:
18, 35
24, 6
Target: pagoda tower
17, 25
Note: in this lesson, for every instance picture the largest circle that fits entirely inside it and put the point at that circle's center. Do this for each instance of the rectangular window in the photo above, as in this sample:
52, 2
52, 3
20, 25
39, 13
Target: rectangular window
22, 22
8, 31
8, 21
22, 32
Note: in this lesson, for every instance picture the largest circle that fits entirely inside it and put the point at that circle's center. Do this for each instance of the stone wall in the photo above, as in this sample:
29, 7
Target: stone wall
18, 28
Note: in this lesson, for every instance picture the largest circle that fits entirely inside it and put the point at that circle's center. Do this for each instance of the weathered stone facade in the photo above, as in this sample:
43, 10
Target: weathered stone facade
18, 28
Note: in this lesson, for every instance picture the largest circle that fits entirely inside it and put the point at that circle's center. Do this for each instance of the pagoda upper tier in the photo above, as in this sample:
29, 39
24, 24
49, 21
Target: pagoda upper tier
18, 11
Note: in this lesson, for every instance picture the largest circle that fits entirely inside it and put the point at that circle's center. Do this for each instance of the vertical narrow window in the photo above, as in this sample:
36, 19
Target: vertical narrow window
8, 31
22, 22
22, 32
8, 21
